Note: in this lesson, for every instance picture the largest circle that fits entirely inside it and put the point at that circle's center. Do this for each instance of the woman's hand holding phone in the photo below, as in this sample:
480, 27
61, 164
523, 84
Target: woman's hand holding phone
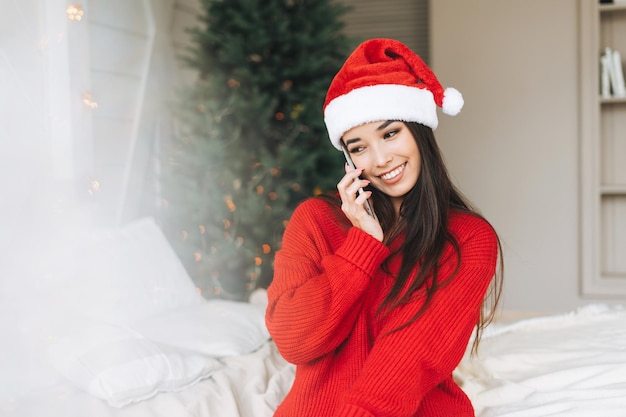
354, 203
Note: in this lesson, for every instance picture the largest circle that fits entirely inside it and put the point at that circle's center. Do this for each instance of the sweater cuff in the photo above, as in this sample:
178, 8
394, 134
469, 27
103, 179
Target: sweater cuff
363, 250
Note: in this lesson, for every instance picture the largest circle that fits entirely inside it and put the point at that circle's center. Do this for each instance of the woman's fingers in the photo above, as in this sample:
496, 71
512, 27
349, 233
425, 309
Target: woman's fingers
353, 203
362, 198
349, 178
356, 185
350, 184
352, 195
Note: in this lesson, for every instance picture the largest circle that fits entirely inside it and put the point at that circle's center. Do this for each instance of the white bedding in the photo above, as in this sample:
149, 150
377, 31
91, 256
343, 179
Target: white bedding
571, 365
247, 386
122, 332
111, 319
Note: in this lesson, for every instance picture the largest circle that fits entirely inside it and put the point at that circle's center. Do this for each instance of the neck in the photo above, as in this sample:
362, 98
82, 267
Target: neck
397, 203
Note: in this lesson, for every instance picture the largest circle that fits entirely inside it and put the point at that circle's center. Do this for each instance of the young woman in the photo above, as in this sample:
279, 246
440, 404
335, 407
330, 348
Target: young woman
377, 311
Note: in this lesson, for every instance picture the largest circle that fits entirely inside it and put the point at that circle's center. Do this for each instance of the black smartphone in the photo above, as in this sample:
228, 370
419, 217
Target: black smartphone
368, 206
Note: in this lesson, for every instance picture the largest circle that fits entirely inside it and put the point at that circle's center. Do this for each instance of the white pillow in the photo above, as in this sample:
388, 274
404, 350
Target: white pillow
122, 367
122, 276
215, 327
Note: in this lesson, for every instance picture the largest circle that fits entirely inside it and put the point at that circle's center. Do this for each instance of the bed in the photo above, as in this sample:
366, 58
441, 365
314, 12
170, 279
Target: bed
120, 331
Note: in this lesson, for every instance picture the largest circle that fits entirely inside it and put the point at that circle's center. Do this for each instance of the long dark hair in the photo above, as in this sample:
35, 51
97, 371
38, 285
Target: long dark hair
434, 196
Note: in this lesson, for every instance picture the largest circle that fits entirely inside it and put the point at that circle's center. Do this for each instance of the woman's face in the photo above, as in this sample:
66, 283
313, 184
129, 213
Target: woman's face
388, 154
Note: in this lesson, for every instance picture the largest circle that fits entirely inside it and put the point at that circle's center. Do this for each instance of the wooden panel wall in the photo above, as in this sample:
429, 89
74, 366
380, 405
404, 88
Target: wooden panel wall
404, 20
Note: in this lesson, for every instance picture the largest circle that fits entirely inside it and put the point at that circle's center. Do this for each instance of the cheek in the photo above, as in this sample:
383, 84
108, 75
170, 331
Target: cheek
361, 162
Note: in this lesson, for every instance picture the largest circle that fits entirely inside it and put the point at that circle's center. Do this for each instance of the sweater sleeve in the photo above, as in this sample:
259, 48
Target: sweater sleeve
405, 365
315, 295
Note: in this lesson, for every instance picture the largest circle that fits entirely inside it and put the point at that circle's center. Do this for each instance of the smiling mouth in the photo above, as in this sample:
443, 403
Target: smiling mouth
392, 174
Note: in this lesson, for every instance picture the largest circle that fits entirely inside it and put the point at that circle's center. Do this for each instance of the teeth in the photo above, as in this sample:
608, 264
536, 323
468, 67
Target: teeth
393, 173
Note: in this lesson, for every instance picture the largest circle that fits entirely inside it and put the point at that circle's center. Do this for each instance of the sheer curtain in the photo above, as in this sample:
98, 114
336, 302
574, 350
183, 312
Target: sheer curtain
82, 88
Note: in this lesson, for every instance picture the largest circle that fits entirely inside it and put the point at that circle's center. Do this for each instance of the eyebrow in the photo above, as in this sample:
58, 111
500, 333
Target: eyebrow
385, 124
381, 127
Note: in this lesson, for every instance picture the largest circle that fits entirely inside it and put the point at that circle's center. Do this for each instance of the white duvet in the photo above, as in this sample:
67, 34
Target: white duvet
113, 327
247, 386
571, 365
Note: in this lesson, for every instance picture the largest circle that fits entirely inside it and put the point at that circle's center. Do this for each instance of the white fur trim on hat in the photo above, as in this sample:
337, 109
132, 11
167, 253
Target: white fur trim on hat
376, 103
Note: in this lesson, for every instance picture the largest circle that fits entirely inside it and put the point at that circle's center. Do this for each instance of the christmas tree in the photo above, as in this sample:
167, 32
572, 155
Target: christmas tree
252, 140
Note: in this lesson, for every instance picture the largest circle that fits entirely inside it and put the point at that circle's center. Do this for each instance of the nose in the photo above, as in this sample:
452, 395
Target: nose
382, 157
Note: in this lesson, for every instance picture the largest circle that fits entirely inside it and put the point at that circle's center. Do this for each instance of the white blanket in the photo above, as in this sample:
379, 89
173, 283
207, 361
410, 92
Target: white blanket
571, 365
247, 386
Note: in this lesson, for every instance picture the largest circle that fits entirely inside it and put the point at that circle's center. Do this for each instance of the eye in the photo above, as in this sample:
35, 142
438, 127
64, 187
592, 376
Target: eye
356, 149
389, 134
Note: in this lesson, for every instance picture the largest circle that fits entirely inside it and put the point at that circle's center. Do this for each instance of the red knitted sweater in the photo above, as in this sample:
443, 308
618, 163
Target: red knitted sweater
327, 286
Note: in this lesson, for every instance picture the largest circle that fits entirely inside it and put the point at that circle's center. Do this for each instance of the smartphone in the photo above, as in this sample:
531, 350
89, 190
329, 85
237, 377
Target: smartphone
368, 206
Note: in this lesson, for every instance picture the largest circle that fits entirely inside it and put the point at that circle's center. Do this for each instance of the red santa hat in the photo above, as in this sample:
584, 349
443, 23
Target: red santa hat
384, 80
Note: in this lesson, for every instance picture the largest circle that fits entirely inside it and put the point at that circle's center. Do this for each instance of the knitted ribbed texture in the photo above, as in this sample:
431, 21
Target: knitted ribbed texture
322, 303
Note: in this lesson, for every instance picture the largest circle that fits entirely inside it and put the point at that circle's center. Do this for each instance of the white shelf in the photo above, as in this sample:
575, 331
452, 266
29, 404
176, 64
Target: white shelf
612, 100
608, 8
602, 146
616, 190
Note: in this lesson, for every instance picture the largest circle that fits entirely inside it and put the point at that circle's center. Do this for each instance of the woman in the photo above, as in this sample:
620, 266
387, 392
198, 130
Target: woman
377, 311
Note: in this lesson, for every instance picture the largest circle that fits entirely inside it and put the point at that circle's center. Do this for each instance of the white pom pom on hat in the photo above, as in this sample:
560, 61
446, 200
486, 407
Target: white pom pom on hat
452, 101
384, 80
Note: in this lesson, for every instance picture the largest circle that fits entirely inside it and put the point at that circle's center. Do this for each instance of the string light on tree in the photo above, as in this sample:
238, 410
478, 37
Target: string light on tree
74, 12
94, 187
88, 101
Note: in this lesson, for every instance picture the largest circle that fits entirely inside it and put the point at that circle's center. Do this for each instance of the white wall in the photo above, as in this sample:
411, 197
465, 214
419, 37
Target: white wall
514, 147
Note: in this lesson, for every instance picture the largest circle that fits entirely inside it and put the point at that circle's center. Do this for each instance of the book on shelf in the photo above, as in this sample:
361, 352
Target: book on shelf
611, 74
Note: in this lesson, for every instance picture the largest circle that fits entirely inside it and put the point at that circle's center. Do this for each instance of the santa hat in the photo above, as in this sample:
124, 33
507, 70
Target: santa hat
384, 80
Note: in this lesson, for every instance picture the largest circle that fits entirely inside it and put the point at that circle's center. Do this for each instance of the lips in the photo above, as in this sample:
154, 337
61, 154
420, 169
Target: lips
388, 176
